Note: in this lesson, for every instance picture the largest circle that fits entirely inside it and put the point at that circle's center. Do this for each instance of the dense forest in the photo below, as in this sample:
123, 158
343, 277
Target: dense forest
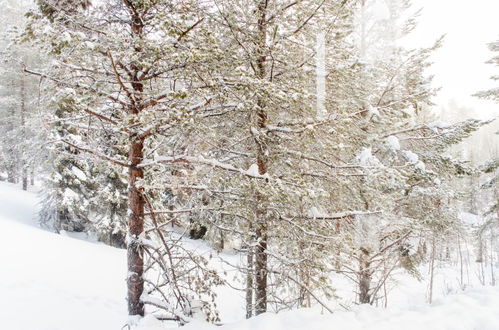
299, 135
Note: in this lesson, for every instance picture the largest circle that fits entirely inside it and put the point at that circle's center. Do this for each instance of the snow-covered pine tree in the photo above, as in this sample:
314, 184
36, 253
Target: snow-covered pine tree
125, 82
381, 140
18, 98
269, 119
78, 195
492, 94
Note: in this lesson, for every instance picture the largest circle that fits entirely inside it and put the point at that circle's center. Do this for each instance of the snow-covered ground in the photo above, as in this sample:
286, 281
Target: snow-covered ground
474, 310
50, 281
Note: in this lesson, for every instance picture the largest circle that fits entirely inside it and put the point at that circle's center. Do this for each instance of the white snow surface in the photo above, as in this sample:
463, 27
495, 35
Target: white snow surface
52, 282
253, 170
366, 158
474, 310
79, 173
471, 219
393, 142
411, 156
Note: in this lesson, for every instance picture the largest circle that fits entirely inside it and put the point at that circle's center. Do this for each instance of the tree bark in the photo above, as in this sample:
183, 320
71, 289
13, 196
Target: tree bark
249, 283
365, 275
135, 251
261, 270
432, 269
24, 169
11, 151
32, 176
136, 200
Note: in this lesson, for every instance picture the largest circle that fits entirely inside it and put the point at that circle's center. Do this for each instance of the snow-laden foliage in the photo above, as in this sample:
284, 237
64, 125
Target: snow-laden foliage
296, 134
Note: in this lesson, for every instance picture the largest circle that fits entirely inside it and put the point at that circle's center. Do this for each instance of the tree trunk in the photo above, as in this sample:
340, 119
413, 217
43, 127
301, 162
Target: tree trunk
432, 269
461, 265
24, 169
261, 270
32, 177
365, 275
479, 257
136, 200
11, 151
135, 229
321, 75
249, 283
492, 275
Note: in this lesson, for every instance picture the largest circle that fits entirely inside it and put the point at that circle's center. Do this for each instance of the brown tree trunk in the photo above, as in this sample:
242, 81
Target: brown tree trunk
135, 252
365, 275
136, 200
261, 270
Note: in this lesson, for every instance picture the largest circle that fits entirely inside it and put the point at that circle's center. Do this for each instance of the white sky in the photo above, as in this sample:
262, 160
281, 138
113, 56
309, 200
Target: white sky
459, 66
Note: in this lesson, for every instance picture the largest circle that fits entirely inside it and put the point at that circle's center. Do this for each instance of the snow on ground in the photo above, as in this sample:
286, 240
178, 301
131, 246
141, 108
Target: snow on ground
473, 310
52, 282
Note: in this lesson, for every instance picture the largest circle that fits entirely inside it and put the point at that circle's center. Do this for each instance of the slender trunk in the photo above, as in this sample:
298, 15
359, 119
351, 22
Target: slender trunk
249, 283
481, 273
261, 270
479, 257
365, 275
24, 169
135, 229
321, 75
11, 151
461, 264
432, 270
492, 276
304, 299
385, 292
32, 176
25, 177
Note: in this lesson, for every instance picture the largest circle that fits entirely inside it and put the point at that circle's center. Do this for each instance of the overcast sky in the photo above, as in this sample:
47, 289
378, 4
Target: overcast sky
460, 68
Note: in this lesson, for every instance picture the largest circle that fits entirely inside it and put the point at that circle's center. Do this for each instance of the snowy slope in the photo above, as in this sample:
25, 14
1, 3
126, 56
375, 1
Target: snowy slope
50, 281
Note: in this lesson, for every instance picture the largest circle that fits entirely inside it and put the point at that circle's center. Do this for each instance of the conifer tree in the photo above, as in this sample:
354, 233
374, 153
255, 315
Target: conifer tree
121, 83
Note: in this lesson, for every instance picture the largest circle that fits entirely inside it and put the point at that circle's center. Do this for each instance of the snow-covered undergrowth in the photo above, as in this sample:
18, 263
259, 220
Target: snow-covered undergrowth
50, 281
475, 309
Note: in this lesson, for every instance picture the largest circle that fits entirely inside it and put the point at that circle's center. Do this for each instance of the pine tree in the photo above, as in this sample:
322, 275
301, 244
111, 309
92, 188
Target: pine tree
492, 94
17, 102
120, 84
269, 112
